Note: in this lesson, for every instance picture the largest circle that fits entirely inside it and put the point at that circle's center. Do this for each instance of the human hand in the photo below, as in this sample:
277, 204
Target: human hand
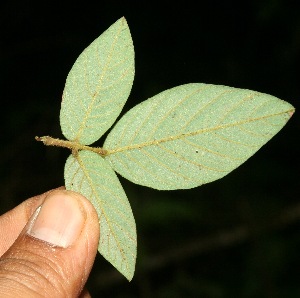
48, 251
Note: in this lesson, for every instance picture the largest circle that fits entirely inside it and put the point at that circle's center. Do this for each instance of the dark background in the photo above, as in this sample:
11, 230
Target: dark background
236, 237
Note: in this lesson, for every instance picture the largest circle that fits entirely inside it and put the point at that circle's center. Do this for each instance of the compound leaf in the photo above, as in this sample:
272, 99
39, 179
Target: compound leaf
98, 85
193, 134
89, 174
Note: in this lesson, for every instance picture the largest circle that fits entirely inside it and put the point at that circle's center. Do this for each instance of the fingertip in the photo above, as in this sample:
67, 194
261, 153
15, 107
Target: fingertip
59, 220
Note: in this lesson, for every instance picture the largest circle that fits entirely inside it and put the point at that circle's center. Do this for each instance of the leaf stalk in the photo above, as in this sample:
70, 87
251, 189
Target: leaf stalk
73, 146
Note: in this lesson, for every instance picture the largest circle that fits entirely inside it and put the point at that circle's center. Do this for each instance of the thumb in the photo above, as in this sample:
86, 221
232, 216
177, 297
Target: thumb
55, 252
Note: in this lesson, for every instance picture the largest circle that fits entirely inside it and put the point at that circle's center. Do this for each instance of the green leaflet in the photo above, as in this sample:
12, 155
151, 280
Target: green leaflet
90, 175
193, 134
98, 85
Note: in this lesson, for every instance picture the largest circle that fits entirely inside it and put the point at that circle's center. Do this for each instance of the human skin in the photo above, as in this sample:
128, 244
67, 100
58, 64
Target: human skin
48, 251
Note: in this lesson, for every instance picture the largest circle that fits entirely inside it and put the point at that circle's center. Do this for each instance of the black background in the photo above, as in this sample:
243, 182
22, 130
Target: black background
236, 237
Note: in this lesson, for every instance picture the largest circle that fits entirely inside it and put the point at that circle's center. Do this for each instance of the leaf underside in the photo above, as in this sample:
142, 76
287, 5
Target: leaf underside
98, 85
90, 175
193, 134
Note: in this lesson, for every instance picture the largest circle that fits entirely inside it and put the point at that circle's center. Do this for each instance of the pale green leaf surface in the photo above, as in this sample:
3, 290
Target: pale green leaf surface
193, 134
98, 85
89, 174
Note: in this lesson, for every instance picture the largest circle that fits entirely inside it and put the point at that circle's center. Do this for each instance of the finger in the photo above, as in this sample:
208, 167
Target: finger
54, 254
13, 221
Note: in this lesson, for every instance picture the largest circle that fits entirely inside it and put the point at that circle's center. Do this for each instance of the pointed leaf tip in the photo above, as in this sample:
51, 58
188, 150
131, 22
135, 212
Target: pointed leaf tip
291, 113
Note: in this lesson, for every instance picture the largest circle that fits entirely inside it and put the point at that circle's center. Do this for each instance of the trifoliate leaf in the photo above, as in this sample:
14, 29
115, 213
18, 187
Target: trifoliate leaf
89, 174
181, 138
98, 85
193, 134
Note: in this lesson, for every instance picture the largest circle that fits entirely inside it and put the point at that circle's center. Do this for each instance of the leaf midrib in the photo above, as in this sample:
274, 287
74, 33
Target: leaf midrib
188, 134
86, 173
90, 107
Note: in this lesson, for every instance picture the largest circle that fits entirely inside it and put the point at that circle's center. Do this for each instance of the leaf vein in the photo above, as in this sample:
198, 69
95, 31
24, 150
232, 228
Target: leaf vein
187, 134
209, 150
90, 107
166, 167
181, 157
101, 208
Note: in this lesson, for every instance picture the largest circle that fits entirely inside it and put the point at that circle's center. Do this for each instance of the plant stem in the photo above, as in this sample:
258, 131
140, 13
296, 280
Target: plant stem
74, 146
